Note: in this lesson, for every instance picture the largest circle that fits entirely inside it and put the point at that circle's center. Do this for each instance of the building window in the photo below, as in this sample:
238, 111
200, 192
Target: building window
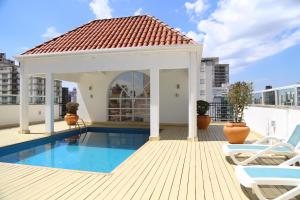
298, 96
202, 81
202, 92
257, 98
129, 98
4, 100
269, 98
209, 62
286, 97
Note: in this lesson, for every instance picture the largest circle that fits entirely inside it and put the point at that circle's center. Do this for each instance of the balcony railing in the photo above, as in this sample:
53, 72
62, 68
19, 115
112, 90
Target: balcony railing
220, 112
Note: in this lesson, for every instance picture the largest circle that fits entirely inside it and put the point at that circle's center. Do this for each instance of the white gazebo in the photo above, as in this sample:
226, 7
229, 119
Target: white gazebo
95, 54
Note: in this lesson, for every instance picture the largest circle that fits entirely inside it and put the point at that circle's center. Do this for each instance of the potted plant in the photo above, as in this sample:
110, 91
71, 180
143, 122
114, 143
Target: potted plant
203, 120
239, 96
71, 117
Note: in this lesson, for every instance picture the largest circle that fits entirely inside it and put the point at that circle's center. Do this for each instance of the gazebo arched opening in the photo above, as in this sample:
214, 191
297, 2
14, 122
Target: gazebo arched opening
129, 97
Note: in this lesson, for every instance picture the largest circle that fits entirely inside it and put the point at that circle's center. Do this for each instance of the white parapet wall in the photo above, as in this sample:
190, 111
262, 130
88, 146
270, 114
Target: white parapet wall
272, 120
9, 114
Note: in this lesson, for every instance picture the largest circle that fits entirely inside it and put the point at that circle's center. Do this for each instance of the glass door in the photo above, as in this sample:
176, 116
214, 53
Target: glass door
129, 98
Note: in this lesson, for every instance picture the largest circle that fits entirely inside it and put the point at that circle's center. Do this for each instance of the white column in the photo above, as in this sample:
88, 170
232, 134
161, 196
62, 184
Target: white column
276, 98
24, 115
49, 105
154, 104
296, 96
193, 81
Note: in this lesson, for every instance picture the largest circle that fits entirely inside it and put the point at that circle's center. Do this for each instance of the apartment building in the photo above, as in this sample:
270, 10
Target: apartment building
9, 81
214, 79
37, 92
286, 96
9, 85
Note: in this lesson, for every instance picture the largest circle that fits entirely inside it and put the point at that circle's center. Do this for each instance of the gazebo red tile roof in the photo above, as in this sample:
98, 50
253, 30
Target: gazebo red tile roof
135, 31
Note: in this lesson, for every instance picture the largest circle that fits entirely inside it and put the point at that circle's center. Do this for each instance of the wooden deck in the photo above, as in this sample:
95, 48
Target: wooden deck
11, 136
172, 168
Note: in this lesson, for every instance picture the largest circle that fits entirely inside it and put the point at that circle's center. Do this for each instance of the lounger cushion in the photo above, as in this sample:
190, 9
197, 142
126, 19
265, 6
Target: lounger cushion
295, 137
272, 172
251, 148
268, 175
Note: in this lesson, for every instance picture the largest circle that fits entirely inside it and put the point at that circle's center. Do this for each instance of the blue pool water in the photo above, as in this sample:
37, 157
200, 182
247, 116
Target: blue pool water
97, 152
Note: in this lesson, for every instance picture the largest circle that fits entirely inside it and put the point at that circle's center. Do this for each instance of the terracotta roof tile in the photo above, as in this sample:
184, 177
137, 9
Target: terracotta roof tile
135, 31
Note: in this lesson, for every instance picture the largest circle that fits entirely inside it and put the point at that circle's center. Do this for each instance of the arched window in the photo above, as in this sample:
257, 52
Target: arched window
129, 98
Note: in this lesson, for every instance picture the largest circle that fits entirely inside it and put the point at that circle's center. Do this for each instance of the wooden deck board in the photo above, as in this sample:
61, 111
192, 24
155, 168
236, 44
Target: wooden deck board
165, 191
166, 179
172, 168
144, 183
38, 186
225, 175
51, 185
119, 179
128, 186
184, 179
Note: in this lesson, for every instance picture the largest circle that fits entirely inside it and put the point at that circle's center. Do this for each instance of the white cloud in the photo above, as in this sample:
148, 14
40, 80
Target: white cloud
242, 32
195, 36
101, 9
50, 33
197, 7
138, 11
178, 29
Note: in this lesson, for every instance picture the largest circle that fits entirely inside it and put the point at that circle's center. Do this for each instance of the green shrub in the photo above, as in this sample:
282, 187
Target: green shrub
72, 108
239, 96
202, 107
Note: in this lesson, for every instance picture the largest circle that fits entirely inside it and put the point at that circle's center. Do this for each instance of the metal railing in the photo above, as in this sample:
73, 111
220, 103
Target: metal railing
220, 112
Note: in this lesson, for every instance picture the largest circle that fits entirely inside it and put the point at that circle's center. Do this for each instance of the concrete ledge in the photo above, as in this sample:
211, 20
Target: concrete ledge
154, 138
30, 123
24, 131
49, 133
194, 139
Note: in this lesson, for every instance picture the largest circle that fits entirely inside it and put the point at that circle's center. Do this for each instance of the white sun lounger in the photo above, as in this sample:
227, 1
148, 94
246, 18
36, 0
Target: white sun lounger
258, 148
283, 174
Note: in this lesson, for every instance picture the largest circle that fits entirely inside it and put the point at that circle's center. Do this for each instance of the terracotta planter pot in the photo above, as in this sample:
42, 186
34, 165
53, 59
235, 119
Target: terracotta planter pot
203, 121
71, 119
236, 133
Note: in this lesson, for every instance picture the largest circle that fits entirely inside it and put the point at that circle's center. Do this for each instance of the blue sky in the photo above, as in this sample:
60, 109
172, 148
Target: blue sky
259, 39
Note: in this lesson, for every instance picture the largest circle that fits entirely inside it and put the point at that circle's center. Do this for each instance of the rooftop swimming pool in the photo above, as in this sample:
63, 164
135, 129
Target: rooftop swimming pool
99, 150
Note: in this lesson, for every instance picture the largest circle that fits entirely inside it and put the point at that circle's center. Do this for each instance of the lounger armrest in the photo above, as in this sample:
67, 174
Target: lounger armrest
291, 161
265, 151
276, 146
283, 144
268, 139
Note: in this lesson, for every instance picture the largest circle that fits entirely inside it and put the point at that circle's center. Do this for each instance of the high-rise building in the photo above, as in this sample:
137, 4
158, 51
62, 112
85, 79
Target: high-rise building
64, 100
9, 81
37, 92
9, 84
73, 95
214, 79
220, 75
